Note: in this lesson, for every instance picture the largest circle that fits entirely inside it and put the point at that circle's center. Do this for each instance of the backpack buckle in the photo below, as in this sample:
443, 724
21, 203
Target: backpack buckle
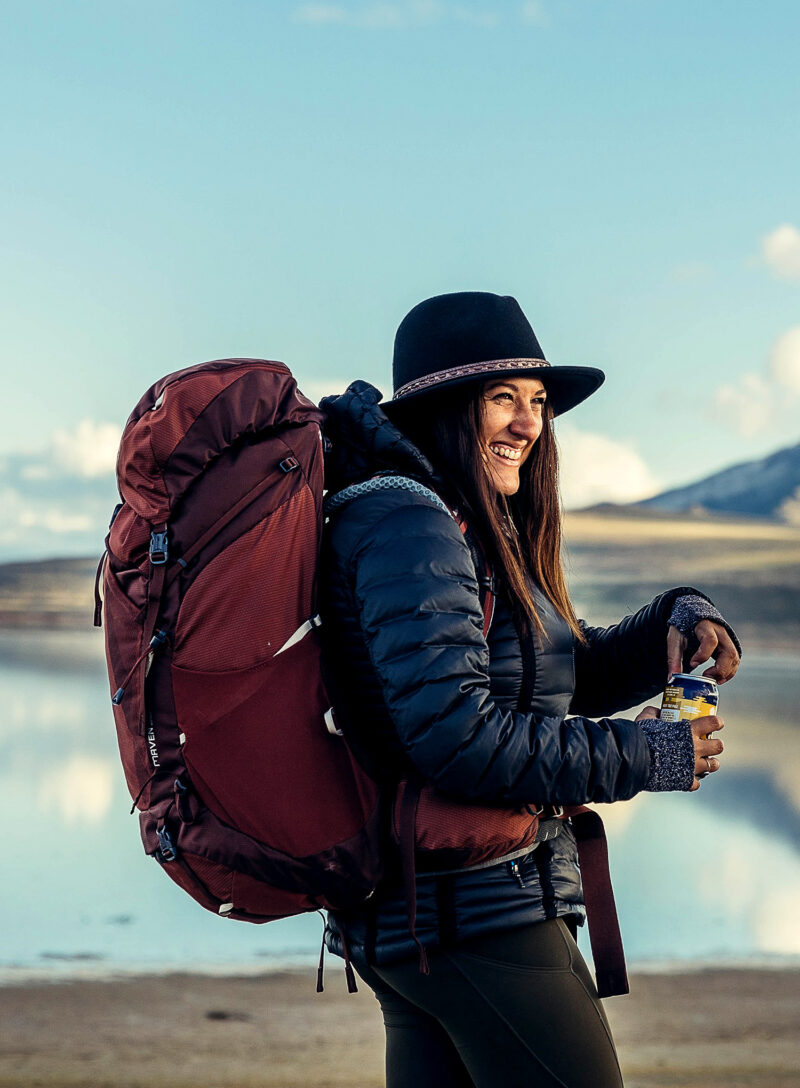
159, 548
288, 463
167, 851
183, 800
547, 812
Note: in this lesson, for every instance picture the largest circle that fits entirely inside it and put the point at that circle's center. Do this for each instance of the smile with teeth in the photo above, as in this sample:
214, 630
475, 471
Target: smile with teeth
508, 453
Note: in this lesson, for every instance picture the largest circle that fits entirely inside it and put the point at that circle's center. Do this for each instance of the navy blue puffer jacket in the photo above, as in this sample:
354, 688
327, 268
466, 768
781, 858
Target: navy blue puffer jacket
418, 687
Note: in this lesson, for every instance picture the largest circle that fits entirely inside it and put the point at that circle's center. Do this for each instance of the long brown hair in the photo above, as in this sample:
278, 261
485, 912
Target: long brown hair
521, 535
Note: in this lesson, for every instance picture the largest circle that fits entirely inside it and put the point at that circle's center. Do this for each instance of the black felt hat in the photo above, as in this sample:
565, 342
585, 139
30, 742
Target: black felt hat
474, 335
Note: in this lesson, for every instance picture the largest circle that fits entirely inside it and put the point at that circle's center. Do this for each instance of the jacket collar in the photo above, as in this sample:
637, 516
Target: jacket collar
364, 441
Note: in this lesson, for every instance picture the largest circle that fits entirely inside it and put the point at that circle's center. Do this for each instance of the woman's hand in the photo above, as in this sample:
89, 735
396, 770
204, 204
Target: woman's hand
706, 747
714, 642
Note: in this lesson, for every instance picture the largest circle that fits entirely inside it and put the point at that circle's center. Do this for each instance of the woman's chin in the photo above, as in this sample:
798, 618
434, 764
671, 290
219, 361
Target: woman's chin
506, 480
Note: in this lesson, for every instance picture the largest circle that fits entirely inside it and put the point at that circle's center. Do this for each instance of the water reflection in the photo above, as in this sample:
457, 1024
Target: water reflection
696, 876
700, 882
80, 790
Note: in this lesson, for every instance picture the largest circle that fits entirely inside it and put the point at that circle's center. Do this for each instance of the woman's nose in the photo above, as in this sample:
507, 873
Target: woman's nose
526, 423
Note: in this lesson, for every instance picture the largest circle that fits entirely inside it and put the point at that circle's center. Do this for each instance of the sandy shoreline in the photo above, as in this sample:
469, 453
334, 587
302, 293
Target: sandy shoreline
733, 1028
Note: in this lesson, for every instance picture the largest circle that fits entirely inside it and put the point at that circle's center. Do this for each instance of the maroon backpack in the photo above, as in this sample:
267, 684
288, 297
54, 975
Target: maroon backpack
247, 799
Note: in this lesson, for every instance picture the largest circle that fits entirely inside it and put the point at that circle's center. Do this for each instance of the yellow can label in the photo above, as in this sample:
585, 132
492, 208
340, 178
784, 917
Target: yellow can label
675, 707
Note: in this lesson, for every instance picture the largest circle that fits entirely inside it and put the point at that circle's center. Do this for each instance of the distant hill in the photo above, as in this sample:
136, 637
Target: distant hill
49, 593
767, 488
618, 558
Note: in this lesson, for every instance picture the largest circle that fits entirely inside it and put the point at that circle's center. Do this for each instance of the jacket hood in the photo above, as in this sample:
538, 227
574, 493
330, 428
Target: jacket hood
363, 441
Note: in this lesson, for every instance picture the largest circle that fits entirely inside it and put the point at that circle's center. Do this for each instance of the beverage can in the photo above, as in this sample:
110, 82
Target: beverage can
688, 697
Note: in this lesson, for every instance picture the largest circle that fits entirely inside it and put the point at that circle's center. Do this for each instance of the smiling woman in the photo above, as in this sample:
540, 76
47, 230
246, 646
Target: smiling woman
464, 682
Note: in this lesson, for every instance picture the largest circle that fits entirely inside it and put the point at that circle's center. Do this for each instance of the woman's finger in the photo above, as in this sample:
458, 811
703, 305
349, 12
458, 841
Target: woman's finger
726, 658
703, 727
706, 747
647, 712
676, 647
711, 747
709, 640
704, 765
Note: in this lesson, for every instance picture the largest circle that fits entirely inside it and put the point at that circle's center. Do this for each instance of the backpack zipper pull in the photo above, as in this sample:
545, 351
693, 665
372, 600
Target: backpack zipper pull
158, 640
321, 968
513, 867
98, 600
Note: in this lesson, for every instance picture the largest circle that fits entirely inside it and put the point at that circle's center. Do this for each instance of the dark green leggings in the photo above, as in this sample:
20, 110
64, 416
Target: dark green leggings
515, 1009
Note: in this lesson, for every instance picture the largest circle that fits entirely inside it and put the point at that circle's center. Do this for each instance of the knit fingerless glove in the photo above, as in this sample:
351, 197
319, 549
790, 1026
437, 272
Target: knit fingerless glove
671, 755
687, 611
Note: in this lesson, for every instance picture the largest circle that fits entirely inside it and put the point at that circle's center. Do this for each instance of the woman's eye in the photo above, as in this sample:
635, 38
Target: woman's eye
504, 397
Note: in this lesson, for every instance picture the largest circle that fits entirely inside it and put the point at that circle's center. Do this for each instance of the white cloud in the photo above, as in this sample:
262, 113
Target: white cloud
789, 509
58, 500
533, 12
781, 251
784, 360
89, 450
79, 790
595, 469
747, 405
56, 521
396, 15
477, 17
382, 16
753, 403
320, 13
28, 519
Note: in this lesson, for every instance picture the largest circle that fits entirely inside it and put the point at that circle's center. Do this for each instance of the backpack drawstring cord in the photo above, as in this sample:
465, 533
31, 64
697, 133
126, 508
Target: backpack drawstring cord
321, 968
141, 791
349, 974
158, 640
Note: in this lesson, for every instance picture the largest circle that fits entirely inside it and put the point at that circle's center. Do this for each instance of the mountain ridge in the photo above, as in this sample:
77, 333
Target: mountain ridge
768, 487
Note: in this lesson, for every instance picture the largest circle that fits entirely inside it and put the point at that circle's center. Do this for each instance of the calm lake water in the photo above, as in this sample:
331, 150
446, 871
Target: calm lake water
712, 876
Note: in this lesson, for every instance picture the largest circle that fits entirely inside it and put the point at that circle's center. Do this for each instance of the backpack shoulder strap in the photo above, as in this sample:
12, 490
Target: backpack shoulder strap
385, 482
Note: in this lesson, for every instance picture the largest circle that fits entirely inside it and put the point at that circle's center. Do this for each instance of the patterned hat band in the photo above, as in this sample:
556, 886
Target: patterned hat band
490, 366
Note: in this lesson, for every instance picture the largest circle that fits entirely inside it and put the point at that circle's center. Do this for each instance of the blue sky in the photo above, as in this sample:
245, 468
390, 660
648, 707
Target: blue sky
189, 180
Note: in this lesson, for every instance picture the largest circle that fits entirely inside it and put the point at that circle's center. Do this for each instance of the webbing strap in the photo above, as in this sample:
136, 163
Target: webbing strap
300, 634
601, 910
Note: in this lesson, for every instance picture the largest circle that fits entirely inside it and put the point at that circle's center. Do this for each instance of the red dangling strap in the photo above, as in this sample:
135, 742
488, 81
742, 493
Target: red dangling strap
601, 911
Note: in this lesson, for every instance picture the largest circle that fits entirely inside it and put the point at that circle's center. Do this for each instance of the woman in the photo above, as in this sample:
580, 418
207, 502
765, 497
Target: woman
423, 693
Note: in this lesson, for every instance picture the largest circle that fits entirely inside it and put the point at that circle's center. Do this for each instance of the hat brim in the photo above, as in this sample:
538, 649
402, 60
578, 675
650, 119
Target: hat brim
566, 386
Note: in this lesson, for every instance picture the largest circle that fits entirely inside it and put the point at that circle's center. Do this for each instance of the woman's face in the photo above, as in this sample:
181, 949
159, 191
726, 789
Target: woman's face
513, 415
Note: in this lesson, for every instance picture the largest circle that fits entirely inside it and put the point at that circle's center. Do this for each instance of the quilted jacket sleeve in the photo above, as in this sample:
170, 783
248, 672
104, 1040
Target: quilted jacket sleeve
625, 664
415, 598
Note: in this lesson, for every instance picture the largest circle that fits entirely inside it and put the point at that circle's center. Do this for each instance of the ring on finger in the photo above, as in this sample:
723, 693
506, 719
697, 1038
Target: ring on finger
708, 762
